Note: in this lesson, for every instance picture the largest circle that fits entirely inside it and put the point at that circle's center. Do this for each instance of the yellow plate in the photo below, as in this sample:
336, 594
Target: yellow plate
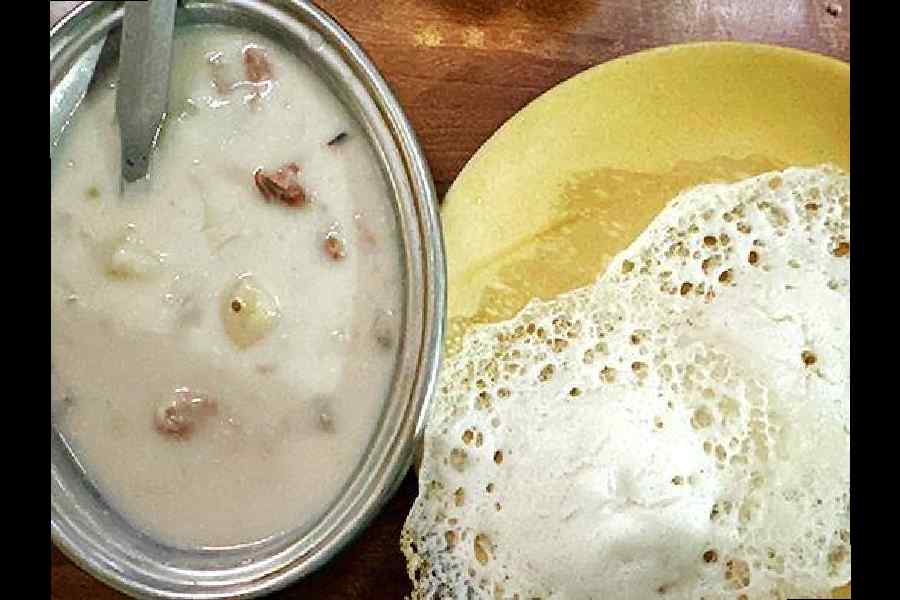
576, 175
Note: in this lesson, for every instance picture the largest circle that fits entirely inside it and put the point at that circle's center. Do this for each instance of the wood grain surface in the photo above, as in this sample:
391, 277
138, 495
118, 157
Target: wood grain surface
461, 68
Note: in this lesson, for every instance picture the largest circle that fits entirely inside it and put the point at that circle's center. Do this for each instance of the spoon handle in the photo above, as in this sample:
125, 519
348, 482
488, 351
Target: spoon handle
143, 89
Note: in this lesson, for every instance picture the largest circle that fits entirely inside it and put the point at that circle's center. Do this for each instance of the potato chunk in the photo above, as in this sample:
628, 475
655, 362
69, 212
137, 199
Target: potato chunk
249, 312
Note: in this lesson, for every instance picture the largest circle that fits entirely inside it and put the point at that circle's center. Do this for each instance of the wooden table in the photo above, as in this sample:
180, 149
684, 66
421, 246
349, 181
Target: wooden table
463, 67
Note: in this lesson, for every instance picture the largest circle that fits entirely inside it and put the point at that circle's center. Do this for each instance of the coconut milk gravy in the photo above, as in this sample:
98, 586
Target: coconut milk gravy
223, 336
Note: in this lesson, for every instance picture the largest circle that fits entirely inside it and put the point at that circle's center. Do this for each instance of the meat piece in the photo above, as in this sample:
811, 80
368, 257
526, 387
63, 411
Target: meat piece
256, 65
257, 76
282, 185
178, 416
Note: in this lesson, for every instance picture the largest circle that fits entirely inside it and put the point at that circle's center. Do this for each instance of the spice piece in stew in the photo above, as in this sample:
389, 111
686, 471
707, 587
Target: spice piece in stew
366, 235
334, 246
222, 83
338, 139
383, 331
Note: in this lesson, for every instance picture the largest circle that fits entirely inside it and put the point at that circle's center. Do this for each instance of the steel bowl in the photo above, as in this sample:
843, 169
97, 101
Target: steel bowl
83, 525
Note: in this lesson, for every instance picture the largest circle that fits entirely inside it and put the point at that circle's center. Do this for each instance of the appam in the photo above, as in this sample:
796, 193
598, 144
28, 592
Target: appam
574, 178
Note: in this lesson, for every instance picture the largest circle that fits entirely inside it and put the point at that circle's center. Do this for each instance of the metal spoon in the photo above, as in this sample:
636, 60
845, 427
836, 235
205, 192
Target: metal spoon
142, 95
70, 91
